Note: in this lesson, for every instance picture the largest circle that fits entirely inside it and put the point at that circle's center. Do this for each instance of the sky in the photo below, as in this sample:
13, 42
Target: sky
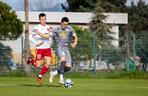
135, 1
37, 5
50, 5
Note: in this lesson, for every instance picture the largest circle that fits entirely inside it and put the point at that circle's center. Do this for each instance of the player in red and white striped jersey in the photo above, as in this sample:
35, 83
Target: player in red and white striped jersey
43, 45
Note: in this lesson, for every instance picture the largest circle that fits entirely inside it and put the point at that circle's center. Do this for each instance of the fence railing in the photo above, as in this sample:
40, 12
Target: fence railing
87, 56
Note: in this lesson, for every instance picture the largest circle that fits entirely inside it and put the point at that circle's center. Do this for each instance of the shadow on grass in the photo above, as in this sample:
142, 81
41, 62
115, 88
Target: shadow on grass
43, 85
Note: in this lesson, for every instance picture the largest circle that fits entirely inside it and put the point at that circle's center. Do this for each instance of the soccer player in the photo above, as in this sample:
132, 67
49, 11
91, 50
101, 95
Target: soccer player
41, 37
63, 35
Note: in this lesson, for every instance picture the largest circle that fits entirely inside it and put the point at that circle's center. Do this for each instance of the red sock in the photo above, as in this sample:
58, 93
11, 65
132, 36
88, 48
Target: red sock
33, 62
44, 70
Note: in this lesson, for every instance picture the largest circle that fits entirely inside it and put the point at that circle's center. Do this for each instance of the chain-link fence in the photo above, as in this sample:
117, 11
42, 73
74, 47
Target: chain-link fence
11, 55
91, 54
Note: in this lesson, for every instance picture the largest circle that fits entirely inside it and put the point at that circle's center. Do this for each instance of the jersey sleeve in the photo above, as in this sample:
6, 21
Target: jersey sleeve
73, 32
32, 36
54, 33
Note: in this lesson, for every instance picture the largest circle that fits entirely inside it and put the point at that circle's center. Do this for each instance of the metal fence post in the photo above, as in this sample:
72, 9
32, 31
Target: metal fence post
134, 44
22, 46
94, 51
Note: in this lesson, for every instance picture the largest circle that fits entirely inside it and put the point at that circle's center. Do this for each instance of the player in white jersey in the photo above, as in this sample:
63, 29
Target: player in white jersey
43, 44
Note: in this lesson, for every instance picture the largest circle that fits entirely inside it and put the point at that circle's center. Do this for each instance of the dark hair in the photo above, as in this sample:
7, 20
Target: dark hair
65, 19
42, 15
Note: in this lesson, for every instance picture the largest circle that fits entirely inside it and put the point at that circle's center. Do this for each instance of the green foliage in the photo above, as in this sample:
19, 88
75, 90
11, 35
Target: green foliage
108, 75
98, 25
15, 73
81, 5
113, 55
10, 27
5, 54
84, 48
142, 46
113, 5
138, 24
138, 15
90, 5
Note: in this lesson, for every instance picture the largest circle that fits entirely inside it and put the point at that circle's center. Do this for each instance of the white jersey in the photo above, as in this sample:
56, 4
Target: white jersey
34, 38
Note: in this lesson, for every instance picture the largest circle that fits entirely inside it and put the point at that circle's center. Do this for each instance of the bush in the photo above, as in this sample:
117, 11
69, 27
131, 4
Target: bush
15, 73
109, 75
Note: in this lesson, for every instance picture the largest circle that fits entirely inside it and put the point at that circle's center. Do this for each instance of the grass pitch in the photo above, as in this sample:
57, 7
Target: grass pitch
27, 86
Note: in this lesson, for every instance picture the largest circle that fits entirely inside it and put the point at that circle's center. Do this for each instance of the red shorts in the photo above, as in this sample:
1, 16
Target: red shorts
43, 52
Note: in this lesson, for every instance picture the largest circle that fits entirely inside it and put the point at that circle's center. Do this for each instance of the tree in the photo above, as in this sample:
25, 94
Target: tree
84, 49
10, 29
5, 55
142, 47
98, 25
27, 46
114, 5
138, 15
10, 26
81, 5
90, 5
138, 23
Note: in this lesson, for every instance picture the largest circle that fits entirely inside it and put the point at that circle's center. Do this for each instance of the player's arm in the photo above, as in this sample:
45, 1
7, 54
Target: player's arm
32, 39
47, 35
75, 38
75, 41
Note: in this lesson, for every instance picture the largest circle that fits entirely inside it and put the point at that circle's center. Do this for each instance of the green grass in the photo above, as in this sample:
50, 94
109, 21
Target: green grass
27, 86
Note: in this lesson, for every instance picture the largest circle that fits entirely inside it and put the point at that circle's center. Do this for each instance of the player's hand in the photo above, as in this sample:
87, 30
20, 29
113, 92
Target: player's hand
73, 45
39, 43
36, 31
50, 29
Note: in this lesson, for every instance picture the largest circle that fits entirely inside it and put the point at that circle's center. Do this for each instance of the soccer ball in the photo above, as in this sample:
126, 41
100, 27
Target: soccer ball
68, 83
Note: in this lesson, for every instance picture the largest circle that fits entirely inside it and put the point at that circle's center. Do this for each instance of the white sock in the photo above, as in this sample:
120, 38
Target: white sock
55, 72
61, 77
40, 76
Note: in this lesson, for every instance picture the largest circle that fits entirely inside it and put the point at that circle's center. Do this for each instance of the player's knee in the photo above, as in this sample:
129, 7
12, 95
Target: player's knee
37, 64
61, 68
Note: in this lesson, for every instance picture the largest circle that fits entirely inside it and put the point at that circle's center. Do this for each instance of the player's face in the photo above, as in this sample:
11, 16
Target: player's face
43, 20
64, 24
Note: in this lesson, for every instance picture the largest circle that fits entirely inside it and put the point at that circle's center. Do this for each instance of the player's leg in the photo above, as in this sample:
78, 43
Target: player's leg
68, 64
53, 69
62, 56
37, 65
61, 69
65, 65
31, 60
47, 56
39, 56
46, 66
53, 72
